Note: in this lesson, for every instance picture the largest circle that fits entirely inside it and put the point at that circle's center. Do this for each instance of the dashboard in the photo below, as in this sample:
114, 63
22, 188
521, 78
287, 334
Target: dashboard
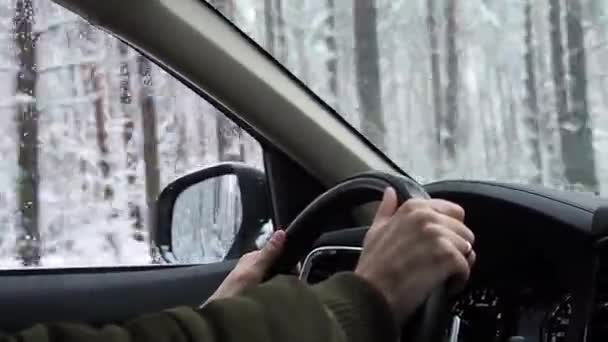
486, 310
538, 276
487, 314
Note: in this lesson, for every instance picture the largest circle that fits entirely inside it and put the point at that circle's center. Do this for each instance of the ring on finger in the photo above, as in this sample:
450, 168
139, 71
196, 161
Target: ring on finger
468, 249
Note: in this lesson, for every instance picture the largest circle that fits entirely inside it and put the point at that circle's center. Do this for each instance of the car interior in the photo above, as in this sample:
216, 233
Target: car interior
542, 263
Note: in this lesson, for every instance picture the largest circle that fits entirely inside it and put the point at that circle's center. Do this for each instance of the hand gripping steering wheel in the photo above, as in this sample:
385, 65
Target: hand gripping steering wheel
429, 322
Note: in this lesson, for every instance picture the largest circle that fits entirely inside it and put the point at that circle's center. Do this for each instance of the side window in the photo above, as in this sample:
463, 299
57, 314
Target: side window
91, 132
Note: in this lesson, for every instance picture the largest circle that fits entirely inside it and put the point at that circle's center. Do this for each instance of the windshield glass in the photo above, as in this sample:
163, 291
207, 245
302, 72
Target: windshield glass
501, 90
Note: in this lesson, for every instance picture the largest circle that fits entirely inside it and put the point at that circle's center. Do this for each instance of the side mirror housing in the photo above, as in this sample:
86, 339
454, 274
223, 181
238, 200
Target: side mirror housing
213, 214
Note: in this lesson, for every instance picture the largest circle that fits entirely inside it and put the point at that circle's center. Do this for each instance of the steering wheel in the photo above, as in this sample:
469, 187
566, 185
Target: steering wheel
429, 322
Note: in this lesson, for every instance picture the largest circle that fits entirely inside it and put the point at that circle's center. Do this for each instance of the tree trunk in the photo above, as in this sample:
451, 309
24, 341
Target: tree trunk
552, 165
275, 29
451, 92
269, 26
435, 78
98, 79
510, 127
28, 240
332, 47
300, 49
131, 156
577, 137
532, 117
368, 72
125, 75
229, 139
281, 48
557, 66
152, 171
101, 135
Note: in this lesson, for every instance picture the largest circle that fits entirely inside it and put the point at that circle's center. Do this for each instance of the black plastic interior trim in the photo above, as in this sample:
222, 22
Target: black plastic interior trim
582, 200
291, 187
104, 295
537, 199
352, 237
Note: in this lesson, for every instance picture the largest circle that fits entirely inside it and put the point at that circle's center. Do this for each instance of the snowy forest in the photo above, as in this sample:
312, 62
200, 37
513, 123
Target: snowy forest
91, 131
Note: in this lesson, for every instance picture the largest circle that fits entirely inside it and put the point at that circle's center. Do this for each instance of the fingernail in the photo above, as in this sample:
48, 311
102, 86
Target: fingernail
389, 194
278, 237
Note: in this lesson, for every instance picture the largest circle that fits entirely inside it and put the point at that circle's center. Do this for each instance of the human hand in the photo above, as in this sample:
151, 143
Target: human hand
412, 249
251, 268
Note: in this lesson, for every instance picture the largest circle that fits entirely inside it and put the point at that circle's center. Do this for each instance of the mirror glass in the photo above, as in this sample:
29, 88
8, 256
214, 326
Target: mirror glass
206, 218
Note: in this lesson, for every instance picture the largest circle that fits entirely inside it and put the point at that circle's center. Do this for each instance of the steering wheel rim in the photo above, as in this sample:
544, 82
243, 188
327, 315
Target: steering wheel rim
429, 322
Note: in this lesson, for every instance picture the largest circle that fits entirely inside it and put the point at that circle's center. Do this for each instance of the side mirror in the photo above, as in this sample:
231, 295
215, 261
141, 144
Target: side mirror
214, 214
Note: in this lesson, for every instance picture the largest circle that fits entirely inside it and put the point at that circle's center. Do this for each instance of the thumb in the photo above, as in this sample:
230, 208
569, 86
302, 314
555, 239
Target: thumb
387, 207
272, 249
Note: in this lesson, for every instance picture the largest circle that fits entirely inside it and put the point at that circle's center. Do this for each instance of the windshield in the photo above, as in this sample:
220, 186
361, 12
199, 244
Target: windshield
498, 90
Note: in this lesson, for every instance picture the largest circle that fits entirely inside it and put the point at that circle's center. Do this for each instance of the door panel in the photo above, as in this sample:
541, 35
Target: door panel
102, 295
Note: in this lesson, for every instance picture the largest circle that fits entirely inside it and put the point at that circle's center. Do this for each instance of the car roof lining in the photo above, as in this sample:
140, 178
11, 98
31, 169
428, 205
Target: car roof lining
211, 55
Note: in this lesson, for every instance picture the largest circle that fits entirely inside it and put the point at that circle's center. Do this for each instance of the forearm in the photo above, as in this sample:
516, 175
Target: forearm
344, 308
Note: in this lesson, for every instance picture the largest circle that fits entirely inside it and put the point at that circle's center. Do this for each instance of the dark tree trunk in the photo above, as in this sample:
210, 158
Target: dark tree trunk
577, 137
451, 92
557, 66
229, 135
435, 75
510, 127
149, 126
269, 25
368, 72
275, 29
101, 135
281, 32
28, 239
182, 142
533, 115
547, 118
332, 63
127, 136
100, 130
125, 75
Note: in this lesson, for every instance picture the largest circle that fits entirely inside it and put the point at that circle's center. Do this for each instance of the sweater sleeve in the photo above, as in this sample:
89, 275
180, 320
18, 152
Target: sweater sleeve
342, 308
